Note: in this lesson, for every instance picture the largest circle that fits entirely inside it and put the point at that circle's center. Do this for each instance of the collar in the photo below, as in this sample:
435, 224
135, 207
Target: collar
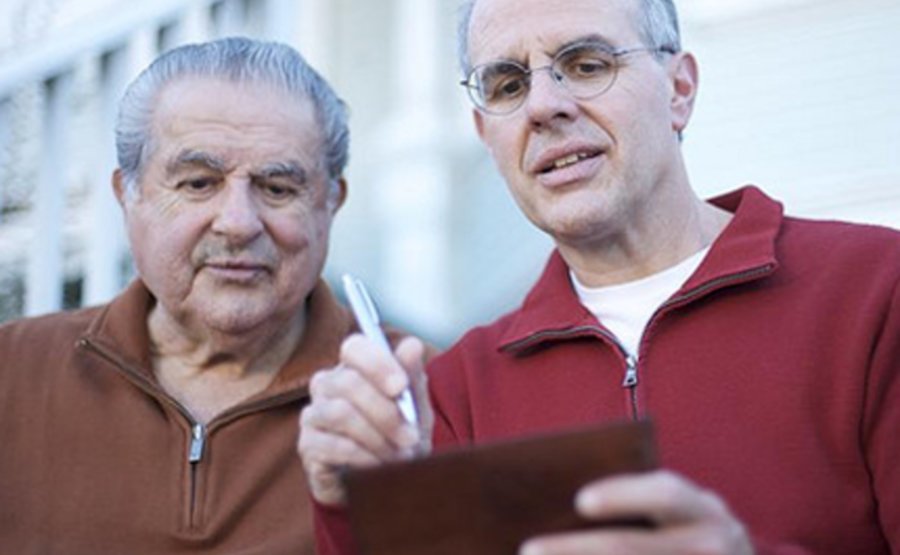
744, 251
121, 328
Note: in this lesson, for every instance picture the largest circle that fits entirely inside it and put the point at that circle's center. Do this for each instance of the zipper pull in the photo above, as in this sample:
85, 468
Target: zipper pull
198, 436
631, 375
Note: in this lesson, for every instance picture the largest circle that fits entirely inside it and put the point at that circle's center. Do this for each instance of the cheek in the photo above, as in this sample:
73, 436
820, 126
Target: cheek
505, 143
302, 248
163, 244
301, 238
647, 114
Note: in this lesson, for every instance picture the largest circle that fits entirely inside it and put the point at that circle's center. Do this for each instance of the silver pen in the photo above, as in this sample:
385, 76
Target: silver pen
367, 317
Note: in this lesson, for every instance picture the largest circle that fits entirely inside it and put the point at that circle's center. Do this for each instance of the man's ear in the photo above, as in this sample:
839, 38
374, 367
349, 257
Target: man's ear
685, 80
118, 186
478, 119
337, 195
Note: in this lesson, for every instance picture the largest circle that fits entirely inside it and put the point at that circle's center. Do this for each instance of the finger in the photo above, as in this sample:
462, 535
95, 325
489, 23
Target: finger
363, 409
702, 536
321, 449
689, 519
596, 542
391, 375
662, 496
677, 540
338, 417
378, 366
614, 541
323, 456
410, 352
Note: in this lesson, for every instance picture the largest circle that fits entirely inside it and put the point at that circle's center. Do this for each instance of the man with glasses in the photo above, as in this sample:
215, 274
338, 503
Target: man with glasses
765, 348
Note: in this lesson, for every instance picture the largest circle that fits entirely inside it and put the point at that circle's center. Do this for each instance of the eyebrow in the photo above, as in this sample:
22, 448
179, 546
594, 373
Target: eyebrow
198, 158
195, 158
592, 39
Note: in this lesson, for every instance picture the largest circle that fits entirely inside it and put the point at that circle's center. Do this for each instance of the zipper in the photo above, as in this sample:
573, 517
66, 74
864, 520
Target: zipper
631, 375
195, 454
198, 438
198, 432
630, 380
631, 362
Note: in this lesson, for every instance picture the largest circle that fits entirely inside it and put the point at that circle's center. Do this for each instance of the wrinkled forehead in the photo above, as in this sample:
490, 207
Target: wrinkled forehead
524, 29
240, 101
210, 114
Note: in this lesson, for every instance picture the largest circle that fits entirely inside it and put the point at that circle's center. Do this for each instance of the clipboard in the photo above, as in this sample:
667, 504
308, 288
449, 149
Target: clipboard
487, 499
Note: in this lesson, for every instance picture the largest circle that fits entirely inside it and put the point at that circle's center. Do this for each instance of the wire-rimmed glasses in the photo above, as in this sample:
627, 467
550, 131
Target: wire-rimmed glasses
585, 70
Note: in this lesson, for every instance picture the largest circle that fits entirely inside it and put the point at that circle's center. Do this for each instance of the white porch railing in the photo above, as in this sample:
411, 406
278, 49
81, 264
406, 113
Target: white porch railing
62, 227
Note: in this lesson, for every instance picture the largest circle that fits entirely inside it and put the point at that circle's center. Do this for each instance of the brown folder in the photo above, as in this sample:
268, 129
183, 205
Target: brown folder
487, 499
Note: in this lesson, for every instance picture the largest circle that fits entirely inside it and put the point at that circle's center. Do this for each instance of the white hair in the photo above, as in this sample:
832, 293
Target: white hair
236, 59
658, 26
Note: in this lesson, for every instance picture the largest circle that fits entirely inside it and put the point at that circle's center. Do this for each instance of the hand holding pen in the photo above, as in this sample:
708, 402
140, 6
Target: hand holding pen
360, 414
369, 323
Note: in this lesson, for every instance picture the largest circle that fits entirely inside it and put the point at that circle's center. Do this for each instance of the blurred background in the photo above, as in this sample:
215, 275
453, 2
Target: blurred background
799, 96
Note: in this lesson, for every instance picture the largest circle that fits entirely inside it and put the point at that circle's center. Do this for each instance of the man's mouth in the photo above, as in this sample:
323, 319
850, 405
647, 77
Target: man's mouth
225, 265
230, 270
568, 160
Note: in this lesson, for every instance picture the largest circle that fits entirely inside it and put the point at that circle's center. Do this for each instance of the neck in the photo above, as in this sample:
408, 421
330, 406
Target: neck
199, 349
647, 245
210, 372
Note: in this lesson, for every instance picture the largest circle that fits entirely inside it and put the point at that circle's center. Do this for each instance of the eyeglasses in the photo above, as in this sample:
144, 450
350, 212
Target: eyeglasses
585, 70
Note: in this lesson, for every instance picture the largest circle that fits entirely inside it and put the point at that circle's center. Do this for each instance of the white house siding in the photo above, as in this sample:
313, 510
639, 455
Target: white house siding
805, 101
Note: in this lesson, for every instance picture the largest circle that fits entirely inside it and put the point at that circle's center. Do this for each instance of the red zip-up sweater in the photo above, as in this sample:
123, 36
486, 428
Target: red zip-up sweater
772, 377
97, 459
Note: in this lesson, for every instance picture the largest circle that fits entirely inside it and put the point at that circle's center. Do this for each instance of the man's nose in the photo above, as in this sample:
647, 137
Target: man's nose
548, 99
237, 216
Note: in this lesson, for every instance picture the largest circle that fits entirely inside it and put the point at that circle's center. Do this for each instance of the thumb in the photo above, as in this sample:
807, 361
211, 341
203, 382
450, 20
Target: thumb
411, 354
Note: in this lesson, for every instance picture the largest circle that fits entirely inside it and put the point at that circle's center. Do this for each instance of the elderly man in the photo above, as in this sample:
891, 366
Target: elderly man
765, 348
165, 422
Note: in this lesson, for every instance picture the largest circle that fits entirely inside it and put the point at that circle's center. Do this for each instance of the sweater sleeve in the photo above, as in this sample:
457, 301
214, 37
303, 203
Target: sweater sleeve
332, 530
449, 400
881, 426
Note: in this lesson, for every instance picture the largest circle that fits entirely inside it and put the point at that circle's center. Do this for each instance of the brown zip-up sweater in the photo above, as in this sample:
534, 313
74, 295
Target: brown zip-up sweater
95, 458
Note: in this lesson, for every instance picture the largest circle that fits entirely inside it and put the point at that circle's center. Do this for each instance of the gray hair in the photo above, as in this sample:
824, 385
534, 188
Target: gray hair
236, 59
658, 26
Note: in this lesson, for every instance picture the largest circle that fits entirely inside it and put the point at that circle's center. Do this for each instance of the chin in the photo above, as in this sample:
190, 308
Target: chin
237, 321
233, 326
576, 227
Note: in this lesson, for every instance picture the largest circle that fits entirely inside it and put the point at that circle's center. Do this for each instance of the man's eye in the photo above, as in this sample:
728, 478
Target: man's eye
585, 67
505, 88
199, 185
276, 191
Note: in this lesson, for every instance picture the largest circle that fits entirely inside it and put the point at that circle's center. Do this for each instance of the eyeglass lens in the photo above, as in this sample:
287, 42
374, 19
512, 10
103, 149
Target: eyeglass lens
584, 70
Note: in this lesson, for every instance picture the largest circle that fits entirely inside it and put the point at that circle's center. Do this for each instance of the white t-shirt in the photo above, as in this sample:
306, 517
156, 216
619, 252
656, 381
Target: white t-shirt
626, 308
